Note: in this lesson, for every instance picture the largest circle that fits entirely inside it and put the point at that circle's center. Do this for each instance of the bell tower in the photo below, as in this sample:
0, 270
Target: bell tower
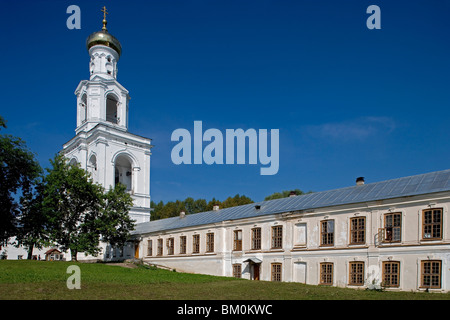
102, 99
102, 144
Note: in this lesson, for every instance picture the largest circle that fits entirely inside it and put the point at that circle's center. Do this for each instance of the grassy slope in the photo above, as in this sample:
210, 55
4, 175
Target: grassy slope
47, 280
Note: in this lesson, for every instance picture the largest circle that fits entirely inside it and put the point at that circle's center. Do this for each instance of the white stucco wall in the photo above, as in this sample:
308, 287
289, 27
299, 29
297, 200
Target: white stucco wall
301, 261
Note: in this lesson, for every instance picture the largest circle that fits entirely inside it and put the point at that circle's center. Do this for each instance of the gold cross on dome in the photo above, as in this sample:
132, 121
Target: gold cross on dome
105, 12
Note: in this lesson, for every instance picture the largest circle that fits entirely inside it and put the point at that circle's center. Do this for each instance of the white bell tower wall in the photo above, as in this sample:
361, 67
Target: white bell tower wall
102, 144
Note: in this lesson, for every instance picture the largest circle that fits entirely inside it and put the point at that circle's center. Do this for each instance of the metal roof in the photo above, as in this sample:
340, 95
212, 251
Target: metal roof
407, 186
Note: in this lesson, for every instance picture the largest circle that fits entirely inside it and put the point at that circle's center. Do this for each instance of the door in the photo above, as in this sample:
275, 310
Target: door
256, 271
136, 250
300, 272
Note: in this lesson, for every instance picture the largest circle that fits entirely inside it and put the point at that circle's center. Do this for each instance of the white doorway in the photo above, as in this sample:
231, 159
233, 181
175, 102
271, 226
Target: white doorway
300, 272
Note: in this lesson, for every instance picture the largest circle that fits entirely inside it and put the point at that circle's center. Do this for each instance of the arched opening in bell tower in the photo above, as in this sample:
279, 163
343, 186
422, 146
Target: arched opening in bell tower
93, 162
73, 162
123, 172
111, 109
83, 108
92, 165
109, 65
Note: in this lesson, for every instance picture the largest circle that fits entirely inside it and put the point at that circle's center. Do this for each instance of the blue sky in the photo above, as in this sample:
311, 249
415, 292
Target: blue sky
348, 101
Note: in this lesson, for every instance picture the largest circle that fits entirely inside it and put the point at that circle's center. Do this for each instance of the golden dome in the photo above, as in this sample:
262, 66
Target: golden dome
104, 38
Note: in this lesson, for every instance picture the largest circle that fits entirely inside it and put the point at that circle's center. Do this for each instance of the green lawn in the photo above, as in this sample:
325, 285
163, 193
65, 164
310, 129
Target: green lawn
47, 280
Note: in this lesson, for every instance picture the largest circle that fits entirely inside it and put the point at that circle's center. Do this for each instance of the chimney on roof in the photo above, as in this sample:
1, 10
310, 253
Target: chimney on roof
182, 214
292, 194
359, 181
216, 207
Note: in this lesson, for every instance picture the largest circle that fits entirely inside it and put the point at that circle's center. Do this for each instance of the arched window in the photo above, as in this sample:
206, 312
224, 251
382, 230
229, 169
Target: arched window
93, 162
111, 108
83, 108
73, 162
92, 165
124, 172
109, 65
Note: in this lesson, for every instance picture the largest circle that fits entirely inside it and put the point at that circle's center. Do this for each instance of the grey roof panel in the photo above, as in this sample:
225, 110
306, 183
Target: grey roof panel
407, 186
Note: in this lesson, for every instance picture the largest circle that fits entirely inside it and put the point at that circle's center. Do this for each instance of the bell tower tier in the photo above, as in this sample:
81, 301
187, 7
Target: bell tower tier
101, 100
102, 144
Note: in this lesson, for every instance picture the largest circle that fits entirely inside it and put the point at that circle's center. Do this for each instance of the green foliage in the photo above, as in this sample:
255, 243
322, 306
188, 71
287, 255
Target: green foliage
72, 203
18, 173
2, 122
65, 208
237, 200
285, 194
195, 206
79, 211
190, 206
115, 221
32, 232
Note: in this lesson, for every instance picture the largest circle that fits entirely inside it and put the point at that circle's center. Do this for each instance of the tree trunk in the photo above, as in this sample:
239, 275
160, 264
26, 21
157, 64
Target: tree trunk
74, 254
30, 252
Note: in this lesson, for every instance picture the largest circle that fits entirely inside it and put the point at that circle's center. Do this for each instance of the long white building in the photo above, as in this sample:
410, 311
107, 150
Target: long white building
392, 234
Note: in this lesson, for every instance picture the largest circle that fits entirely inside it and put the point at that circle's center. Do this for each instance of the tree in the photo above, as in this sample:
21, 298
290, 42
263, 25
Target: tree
78, 212
157, 208
116, 223
32, 230
200, 205
190, 206
18, 171
285, 194
237, 200
72, 203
